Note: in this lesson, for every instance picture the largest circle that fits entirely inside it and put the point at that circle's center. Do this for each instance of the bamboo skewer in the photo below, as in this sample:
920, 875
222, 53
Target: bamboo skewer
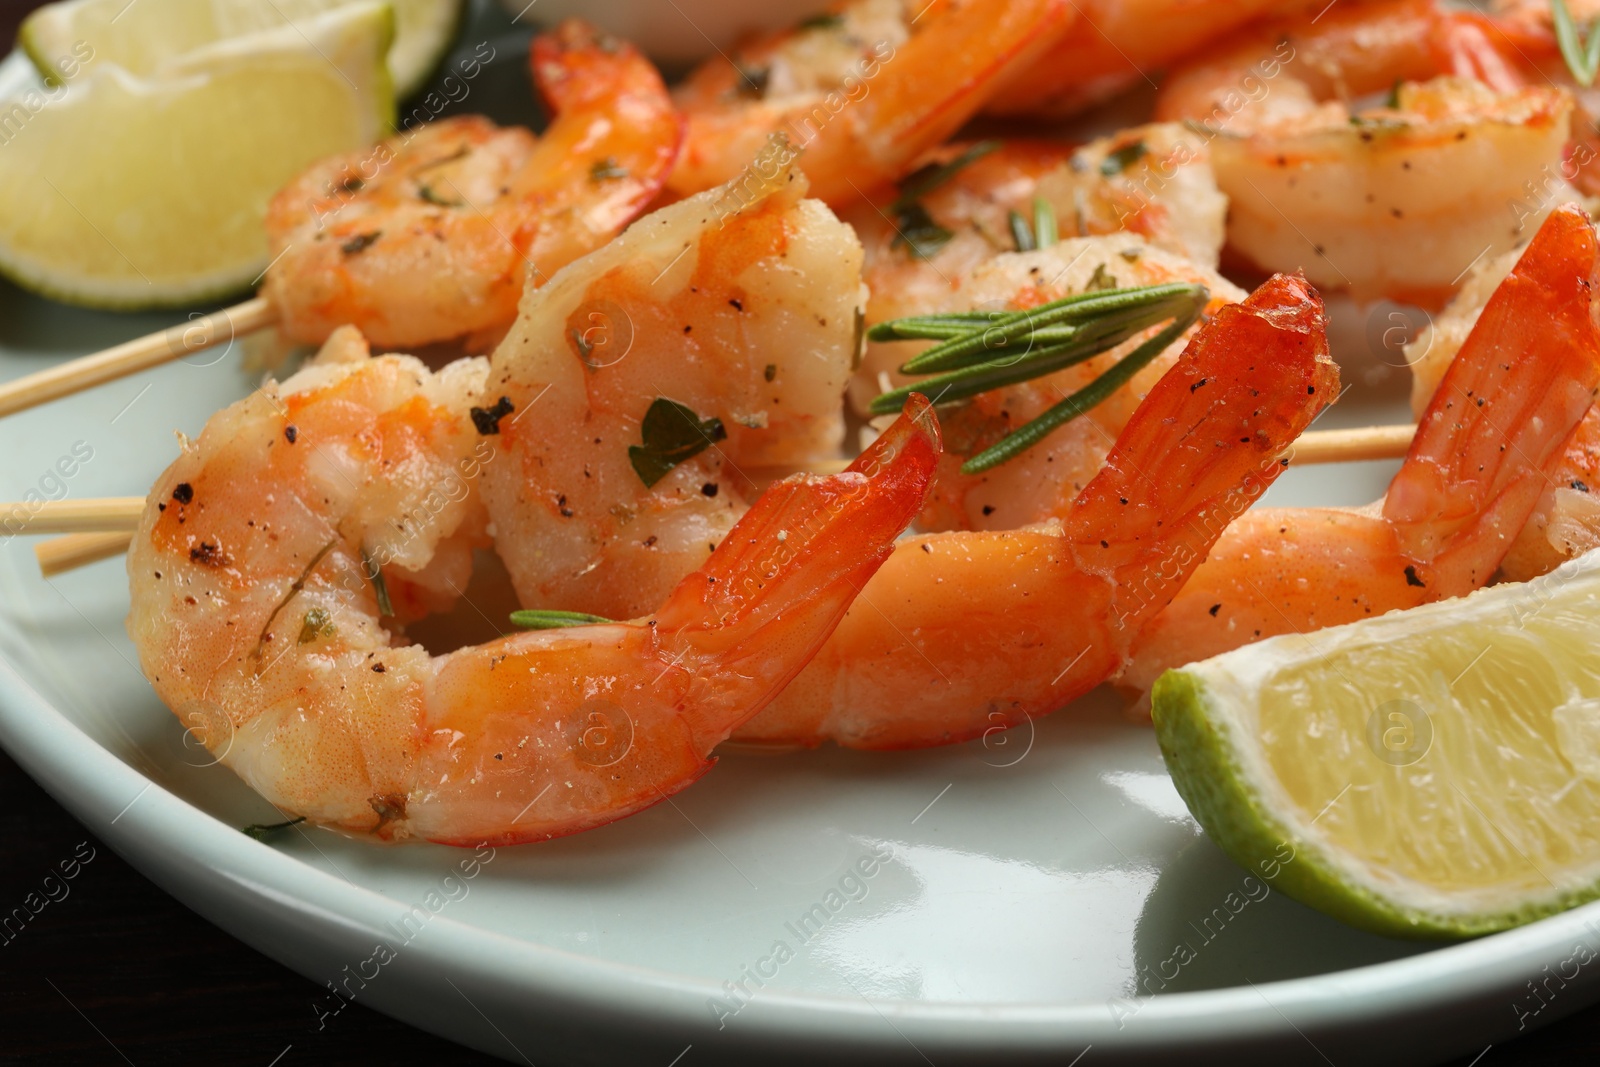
152, 350
100, 529
72, 516
1352, 445
61, 554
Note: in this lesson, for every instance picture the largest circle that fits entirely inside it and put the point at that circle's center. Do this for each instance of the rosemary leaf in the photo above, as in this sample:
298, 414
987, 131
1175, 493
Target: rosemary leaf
427, 194
379, 589
913, 326
262, 831
937, 328
607, 169
1021, 232
539, 619
924, 180
1122, 158
1045, 231
1582, 56
752, 81
911, 329
820, 22
916, 230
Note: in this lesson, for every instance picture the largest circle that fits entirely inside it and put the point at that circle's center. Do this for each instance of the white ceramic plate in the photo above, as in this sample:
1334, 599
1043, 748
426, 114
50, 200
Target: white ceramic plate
1031, 889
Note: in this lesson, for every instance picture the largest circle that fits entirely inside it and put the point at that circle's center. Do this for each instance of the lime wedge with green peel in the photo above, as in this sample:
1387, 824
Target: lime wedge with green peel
1428, 773
143, 36
127, 192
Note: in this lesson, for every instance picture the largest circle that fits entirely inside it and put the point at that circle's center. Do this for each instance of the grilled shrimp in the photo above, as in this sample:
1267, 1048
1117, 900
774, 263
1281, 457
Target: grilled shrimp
1486, 448
1393, 201
865, 88
430, 235
258, 578
1525, 34
1120, 44
742, 305
966, 632
929, 252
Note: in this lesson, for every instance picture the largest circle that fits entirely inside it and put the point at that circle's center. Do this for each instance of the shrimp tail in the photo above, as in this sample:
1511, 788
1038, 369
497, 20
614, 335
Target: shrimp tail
614, 110
778, 584
969, 52
1203, 446
1467, 44
1500, 420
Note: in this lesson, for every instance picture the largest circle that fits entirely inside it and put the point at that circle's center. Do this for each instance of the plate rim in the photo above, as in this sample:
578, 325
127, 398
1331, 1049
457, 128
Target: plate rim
93, 783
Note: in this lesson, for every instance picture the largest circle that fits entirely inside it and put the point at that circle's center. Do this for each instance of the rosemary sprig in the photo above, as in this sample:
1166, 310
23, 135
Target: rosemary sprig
990, 336
1031, 433
543, 619
1580, 50
1011, 368
979, 351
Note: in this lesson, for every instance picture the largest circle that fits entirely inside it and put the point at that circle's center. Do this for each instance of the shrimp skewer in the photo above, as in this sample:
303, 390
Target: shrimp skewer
431, 235
1394, 201
258, 622
428, 236
1497, 427
78, 549
965, 632
864, 89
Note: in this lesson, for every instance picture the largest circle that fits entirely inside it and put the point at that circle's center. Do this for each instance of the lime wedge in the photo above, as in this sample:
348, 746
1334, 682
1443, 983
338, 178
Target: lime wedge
142, 36
1428, 773
128, 192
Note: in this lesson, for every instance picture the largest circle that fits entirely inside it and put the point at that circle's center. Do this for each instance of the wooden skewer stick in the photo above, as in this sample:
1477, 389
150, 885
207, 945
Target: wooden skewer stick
72, 516
112, 520
139, 354
62, 554
1352, 445
1314, 446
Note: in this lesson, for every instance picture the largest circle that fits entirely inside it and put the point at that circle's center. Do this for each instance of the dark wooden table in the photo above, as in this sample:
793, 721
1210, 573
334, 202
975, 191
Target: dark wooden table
118, 972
